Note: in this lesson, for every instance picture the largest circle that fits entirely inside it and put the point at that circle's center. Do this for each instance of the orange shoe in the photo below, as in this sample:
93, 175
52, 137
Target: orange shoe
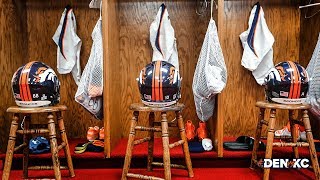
93, 133
101, 133
190, 130
202, 130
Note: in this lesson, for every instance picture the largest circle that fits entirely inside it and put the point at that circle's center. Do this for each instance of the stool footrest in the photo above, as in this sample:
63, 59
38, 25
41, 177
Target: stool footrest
20, 146
33, 131
62, 145
178, 143
290, 144
142, 140
141, 128
140, 176
171, 165
45, 167
170, 124
278, 137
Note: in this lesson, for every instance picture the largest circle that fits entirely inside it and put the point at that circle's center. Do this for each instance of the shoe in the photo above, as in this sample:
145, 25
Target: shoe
202, 130
101, 134
93, 133
286, 131
190, 130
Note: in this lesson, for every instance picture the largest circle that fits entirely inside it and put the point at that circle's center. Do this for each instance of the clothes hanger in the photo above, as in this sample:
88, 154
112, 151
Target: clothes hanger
310, 5
202, 5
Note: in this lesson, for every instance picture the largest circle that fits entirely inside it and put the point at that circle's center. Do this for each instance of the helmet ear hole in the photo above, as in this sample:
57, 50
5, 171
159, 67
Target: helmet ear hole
35, 84
287, 83
159, 84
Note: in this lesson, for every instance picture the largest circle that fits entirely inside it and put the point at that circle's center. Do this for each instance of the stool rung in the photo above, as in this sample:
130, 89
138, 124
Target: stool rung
258, 163
141, 128
20, 146
45, 167
33, 131
62, 145
171, 165
139, 141
290, 144
278, 137
140, 176
178, 143
170, 124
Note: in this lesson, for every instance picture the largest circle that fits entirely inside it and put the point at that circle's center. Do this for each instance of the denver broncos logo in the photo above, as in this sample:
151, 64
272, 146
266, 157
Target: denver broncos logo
40, 71
171, 75
282, 73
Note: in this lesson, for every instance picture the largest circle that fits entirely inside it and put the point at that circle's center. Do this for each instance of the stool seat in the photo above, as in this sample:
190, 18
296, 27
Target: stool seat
268, 105
142, 107
46, 109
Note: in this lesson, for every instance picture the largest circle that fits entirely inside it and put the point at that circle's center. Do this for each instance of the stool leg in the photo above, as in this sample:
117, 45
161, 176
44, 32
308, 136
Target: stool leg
10, 148
270, 138
312, 149
127, 160
151, 142
65, 140
54, 146
185, 147
294, 134
257, 138
26, 149
165, 143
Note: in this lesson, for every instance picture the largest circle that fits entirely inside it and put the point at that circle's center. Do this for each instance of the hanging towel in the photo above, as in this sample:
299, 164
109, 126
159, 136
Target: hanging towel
69, 45
257, 43
313, 70
210, 76
90, 89
162, 38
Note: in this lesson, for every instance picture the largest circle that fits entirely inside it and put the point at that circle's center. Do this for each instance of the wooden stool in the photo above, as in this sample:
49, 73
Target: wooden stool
266, 105
165, 140
26, 132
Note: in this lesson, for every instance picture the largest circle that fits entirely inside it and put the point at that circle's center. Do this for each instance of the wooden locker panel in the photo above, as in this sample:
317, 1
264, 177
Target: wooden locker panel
237, 101
43, 18
135, 18
13, 52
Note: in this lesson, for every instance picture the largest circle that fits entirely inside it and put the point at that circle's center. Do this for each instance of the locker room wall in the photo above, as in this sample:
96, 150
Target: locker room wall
13, 52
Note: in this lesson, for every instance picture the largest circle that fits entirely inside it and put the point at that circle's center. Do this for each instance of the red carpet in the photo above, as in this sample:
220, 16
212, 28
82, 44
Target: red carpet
200, 174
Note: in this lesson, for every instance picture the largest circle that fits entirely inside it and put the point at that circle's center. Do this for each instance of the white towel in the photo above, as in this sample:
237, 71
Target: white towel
95, 4
257, 43
162, 38
69, 45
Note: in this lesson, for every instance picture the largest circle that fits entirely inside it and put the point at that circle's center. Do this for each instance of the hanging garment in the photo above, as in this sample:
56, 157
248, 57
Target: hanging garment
210, 76
162, 38
69, 45
95, 3
313, 70
90, 89
257, 43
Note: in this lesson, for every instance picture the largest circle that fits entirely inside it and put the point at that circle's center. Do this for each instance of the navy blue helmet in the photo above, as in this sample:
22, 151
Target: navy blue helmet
287, 83
35, 84
159, 84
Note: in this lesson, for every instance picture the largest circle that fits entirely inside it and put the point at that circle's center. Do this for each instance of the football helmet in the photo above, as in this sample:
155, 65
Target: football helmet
35, 84
159, 84
287, 83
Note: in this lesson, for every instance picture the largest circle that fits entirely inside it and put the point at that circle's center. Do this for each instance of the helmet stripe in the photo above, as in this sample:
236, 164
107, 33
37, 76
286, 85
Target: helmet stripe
28, 67
160, 83
157, 79
294, 79
291, 86
153, 95
24, 85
